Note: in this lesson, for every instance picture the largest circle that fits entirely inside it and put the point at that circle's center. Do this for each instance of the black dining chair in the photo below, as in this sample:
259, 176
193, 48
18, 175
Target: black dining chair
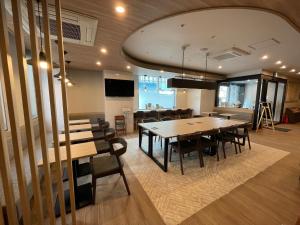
138, 117
242, 132
109, 165
209, 140
186, 144
227, 135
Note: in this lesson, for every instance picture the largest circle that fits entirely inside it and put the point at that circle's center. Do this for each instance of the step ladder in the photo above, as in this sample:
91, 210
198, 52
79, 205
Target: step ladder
265, 116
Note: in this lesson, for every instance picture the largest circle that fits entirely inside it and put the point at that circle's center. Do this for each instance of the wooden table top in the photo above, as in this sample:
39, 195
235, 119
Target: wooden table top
78, 151
173, 128
227, 114
76, 122
76, 136
78, 127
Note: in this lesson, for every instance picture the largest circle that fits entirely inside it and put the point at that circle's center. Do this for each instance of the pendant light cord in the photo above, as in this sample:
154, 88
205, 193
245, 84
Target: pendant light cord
182, 64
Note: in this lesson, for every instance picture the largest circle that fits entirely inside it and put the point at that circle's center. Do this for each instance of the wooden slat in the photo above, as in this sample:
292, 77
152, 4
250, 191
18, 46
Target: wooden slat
6, 180
48, 52
20, 48
65, 107
1, 217
13, 118
40, 112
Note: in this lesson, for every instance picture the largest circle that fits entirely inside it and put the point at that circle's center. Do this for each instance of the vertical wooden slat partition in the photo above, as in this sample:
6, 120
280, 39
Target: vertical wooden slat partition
13, 119
40, 111
20, 48
65, 106
53, 111
6, 178
14, 125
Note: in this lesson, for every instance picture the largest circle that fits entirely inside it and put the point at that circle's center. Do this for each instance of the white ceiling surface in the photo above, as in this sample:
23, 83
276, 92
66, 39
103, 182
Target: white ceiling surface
161, 41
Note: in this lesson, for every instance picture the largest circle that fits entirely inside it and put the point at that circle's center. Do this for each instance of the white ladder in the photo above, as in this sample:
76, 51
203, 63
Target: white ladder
265, 112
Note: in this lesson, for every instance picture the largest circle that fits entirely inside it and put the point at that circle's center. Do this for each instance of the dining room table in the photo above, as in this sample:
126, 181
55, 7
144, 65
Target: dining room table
173, 128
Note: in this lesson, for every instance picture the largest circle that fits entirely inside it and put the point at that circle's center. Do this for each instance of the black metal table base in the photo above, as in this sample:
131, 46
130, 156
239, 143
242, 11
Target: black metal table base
149, 153
84, 198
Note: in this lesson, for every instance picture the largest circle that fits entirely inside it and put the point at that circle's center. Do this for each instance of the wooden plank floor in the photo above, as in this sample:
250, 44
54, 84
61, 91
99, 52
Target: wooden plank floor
272, 197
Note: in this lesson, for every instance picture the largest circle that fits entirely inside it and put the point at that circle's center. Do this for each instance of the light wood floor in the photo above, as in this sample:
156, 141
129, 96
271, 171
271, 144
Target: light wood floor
272, 197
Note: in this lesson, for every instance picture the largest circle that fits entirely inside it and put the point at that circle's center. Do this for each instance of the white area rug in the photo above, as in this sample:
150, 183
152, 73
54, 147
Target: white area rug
177, 197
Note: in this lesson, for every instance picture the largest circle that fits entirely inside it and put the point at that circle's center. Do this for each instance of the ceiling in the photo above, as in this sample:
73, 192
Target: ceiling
113, 29
255, 31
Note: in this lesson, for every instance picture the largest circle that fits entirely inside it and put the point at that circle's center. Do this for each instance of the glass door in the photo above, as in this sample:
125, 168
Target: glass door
279, 101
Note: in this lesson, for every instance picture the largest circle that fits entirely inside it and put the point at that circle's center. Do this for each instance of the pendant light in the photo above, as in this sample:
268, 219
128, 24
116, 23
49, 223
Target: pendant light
42, 56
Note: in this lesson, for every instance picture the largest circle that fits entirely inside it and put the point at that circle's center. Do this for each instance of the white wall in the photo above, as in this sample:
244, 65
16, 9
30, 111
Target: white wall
207, 103
181, 99
115, 105
194, 100
87, 94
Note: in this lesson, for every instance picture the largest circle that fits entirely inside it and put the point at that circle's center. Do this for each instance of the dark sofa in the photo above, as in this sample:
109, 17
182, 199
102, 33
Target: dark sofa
293, 114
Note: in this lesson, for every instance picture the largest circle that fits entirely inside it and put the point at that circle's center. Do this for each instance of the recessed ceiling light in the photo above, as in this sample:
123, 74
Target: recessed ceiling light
292, 70
220, 67
128, 67
283, 67
120, 9
69, 84
103, 50
298, 73
98, 63
162, 71
278, 62
264, 57
67, 80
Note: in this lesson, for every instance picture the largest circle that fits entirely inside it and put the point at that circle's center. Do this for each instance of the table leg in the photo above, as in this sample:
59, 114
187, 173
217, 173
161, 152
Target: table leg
166, 150
74, 165
140, 136
150, 144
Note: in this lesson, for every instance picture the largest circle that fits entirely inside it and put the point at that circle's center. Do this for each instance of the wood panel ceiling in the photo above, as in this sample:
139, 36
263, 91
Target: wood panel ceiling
113, 29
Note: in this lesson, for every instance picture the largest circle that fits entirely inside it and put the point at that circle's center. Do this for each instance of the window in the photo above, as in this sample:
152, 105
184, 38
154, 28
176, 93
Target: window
238, 94
154, 94
31, 89
3, 119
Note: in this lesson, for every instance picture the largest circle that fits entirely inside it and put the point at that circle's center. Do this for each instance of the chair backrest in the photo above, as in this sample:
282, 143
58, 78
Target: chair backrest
166, 118
210, 132
139, 114
115, 142
152, 113
149, 120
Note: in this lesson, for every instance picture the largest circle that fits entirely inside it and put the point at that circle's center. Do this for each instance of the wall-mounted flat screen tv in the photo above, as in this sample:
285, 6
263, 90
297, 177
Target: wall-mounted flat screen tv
119, 88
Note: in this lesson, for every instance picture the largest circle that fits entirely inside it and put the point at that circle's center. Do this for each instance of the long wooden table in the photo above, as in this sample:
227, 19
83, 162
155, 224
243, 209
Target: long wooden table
80, 127
173, 128
77, 122
77, 137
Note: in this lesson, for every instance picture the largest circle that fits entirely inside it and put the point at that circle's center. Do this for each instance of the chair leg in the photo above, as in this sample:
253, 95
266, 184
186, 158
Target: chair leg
248, 138
94, 189
239, 144
170, 155
201, 158
236, 152
223, 147
181, 165
125, 181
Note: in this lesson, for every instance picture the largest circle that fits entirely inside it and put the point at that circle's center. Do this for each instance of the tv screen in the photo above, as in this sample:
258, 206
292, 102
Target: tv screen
119, 88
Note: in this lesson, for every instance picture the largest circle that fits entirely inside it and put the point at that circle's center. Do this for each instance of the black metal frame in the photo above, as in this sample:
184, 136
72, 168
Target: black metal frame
260, 93
149, 153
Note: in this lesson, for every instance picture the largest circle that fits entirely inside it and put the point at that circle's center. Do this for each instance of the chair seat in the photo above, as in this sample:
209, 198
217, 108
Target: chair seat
186, 146
105, 165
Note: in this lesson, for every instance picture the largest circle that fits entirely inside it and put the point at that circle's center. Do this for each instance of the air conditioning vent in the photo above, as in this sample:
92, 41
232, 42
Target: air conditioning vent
70, 31
229, 54
77, 28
